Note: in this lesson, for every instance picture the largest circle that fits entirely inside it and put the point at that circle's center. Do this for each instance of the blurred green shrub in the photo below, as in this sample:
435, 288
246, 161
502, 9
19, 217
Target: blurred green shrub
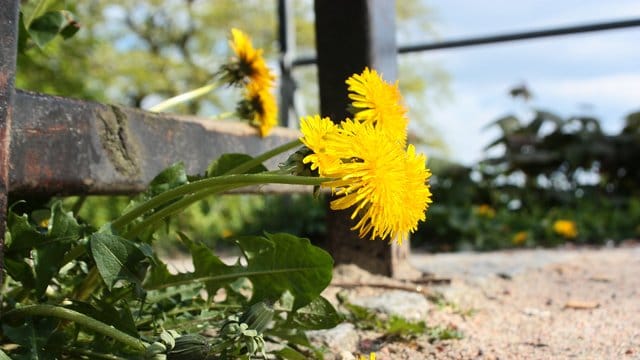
551, 169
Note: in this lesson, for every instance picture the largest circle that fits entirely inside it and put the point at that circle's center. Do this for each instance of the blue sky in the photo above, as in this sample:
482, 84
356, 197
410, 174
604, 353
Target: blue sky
594, 73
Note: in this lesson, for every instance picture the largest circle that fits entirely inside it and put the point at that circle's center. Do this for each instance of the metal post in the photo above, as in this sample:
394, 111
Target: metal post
287, 40
351, 35
8, 49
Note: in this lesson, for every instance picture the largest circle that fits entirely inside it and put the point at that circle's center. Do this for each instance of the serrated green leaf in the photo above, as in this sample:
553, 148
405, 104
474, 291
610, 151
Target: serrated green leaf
33, 335
64, 226
47, 26
117, 259
290, 354
290, 335
252, 246
292, 264
158, 274
287, 263
24, 235
36, 8
120, 318
226, 162
49, 257
48, 260
317, 315
71, 28
20, 271
171, 177
206, 263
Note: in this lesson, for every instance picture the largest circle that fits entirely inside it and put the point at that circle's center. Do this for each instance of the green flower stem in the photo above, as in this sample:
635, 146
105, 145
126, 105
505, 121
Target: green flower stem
94, 355
242, 180
74, 253
245, 166
224, 115
237, 179
174, 208
182, 98
39, 10
187, 309
77, 205
86, 288
81, 319
185, 189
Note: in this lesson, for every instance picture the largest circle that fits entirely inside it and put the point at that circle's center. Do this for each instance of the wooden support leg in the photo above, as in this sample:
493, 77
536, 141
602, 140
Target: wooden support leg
8, 43
351, 35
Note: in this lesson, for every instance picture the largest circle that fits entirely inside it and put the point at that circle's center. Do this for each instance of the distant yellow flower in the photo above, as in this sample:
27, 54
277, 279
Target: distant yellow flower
486, 210
384, 183
565, 228
248, 65
372, 356
44, 223
259, 107
519, 238
378, 102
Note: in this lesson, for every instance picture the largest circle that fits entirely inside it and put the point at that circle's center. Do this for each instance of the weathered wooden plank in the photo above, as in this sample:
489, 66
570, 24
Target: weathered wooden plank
349, 36
63, 146
8, 50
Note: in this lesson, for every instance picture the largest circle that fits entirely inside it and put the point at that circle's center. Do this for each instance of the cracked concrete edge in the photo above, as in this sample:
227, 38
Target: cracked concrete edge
117, 142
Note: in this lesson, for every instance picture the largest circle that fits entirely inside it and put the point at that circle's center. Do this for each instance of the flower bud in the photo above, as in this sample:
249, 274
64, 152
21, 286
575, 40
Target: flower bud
190, 347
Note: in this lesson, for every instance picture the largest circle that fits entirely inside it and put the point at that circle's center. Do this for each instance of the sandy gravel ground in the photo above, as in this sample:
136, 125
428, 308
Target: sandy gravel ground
530, 304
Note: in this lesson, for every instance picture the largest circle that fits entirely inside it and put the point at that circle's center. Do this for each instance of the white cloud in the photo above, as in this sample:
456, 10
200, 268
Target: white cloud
599, 69
461, 123
476, 104
620, 90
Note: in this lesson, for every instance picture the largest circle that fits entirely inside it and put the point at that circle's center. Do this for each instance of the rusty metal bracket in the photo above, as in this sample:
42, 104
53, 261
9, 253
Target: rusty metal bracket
8, 53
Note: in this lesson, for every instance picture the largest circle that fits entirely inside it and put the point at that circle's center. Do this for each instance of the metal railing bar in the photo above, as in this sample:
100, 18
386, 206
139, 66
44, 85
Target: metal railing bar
493, 39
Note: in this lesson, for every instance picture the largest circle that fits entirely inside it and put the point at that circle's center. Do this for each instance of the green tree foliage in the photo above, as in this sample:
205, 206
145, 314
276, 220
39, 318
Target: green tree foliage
139, 52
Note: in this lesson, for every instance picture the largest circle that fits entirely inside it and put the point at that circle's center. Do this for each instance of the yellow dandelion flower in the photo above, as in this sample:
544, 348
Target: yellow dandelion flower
485, 210
315, 131
248, 65
372, 356
519, 238
44, 223
378, 102
259, 107
565, 228
384, 183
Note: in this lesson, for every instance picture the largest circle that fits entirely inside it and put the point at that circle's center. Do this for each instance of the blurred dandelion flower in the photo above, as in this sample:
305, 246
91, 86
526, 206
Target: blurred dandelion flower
519, 238
372, 356
246, 68
248, 65
259, 107
565, 228
378, 102
485, 210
